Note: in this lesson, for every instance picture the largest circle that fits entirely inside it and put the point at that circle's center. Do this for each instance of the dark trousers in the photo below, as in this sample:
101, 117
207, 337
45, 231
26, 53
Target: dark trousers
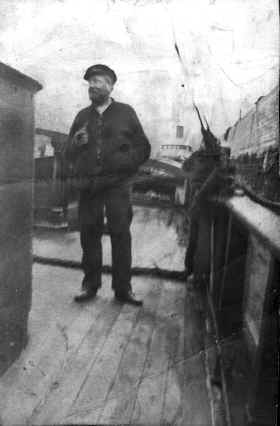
116, 204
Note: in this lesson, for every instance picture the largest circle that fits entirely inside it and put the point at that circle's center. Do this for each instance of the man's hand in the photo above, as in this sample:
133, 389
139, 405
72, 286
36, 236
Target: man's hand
80, 138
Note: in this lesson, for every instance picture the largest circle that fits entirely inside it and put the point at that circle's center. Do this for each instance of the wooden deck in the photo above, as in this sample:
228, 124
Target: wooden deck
156, 241
108, 363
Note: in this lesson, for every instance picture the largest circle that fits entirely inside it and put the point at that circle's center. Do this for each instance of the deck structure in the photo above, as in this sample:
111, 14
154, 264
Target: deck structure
108, 363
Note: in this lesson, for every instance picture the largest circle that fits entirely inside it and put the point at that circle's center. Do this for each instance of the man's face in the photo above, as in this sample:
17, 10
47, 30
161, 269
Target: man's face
100, 88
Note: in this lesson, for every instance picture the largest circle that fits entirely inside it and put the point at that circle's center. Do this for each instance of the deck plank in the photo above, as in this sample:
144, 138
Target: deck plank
40, 370
121, 398
71, 378
172, 408
89, 404
124, 365
68, 383
151, 392
49, 316
195, 403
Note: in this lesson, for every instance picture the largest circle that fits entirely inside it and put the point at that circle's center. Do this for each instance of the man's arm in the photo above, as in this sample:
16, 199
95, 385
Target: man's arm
141, 146
74, 142
138, 152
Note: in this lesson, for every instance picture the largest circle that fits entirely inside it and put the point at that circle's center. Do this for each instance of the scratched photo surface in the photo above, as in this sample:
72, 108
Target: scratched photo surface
139, 212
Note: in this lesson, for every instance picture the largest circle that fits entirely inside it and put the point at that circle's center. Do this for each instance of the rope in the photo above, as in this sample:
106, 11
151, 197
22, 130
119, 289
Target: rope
107, 269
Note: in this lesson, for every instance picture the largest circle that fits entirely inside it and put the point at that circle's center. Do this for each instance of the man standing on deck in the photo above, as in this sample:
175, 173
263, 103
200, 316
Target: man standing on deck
106, 146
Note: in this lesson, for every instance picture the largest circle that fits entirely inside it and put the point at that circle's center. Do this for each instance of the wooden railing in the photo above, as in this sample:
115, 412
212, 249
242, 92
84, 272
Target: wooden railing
237, 264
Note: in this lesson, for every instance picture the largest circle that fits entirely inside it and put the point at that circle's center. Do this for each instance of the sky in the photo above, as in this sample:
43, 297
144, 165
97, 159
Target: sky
229, 51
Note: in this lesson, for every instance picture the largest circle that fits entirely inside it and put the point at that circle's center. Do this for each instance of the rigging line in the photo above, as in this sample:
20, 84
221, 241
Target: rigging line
259, 77
183, 66
227, 76
224, 107
240, 86
186, 73
181, 60
221, 68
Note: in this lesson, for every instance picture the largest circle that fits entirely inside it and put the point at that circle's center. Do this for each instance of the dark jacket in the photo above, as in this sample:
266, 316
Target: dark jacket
117, 144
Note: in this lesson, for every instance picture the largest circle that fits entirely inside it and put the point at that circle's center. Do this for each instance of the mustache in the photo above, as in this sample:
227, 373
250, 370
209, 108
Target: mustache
96, 91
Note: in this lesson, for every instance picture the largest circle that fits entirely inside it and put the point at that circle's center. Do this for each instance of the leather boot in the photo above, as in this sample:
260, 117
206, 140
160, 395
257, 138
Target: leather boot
128, 298
85, 295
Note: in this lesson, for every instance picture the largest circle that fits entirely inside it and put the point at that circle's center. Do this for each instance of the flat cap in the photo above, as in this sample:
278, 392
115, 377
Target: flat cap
100, 69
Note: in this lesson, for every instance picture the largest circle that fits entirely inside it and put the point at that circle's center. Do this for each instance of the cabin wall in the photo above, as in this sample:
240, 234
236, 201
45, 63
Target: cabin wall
16, 174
